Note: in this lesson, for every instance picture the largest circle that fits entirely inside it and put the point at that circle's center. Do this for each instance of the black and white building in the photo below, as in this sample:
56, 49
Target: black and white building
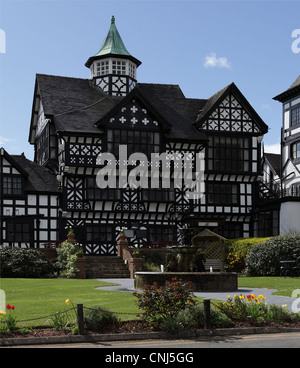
29, 202
282, 172
74, 121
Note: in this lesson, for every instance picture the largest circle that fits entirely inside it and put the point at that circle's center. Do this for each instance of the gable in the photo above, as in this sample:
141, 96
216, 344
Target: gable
10, 166
132, 113
231, 116
229, 111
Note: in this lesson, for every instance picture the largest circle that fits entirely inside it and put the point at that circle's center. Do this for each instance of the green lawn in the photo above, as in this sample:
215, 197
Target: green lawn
34, 298
285, 286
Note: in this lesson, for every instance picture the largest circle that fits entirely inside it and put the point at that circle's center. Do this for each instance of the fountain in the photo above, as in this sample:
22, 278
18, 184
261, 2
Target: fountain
194, 263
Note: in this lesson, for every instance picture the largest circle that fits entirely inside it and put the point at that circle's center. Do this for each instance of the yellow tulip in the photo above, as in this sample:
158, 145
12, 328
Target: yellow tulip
67, 301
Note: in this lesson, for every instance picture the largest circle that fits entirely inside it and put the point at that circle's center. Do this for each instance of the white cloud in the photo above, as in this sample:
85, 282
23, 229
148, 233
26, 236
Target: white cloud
5, 140
272, 148
266, 107
212, 61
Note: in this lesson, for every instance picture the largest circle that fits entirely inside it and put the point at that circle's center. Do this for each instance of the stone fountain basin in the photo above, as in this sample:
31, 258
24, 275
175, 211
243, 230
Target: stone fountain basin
202, 281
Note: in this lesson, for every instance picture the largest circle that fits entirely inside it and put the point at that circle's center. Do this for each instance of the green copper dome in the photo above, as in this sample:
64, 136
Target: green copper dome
112, 45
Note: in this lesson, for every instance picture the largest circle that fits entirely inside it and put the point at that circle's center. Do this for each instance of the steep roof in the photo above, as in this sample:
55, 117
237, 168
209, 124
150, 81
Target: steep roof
274, 160
292, 91
76, 105
37, 177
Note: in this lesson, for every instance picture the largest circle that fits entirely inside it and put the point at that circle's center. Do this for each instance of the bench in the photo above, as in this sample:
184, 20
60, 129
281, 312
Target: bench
216, 264
289, 268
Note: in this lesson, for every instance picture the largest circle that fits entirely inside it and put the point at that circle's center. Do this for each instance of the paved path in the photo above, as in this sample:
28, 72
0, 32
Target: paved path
127, 285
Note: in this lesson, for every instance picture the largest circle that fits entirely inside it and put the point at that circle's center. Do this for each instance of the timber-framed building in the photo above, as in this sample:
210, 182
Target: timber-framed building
76, 120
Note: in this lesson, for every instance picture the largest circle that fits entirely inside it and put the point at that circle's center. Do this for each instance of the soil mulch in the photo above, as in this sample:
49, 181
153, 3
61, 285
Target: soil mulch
129, 327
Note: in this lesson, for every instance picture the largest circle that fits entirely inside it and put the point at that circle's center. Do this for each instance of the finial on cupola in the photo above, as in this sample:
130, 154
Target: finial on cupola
112, 20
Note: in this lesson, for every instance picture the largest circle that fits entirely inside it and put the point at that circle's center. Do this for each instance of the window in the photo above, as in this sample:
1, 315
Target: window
137, 141
228, 154
93, 192
223, 194
102, 68
132, 70
42, 146
13, 185
295, 190
231, 230
158, 195
98, 233
296, 150
295, 119
19, 231
119, 67
157, 234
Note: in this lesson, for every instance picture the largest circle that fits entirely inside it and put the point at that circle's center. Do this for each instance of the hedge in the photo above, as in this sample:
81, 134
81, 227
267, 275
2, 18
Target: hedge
21, 262
264, 258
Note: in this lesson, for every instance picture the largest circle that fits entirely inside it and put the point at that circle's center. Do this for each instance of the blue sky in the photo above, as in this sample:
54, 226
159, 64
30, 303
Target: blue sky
200, 45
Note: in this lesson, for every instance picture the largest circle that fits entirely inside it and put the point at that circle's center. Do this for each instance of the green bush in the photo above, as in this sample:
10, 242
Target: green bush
21, 262
157, 303
66, 259
264, 258
192, 317
236, 251
99, 319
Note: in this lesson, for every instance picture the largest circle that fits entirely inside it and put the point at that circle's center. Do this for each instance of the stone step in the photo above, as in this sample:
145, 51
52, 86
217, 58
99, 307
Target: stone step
106, 267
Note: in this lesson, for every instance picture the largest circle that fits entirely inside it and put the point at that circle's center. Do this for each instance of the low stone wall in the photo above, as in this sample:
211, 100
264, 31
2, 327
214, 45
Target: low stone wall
202, 281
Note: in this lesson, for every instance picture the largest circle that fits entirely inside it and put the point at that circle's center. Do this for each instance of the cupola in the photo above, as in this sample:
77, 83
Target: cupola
113, 68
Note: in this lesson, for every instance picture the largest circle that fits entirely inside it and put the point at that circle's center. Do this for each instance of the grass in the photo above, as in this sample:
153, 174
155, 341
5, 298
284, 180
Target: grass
284, 286
35, 298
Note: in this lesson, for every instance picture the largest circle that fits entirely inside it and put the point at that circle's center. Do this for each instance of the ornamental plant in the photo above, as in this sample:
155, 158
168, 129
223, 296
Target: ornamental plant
254, 309
160, 303
66, 259
63, 320
70, 230
8, 319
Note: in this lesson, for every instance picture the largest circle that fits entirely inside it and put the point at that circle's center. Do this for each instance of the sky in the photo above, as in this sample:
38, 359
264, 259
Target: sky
202, 46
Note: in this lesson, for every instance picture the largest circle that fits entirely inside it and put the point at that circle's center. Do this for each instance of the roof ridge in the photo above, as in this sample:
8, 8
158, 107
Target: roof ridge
60, 76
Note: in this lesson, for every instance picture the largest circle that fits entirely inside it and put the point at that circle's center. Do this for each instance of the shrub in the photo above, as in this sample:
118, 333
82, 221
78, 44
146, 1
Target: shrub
158, 303
66, 259
192, 317
254, 309
21, 262
236, 251
264, 258
99, 319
